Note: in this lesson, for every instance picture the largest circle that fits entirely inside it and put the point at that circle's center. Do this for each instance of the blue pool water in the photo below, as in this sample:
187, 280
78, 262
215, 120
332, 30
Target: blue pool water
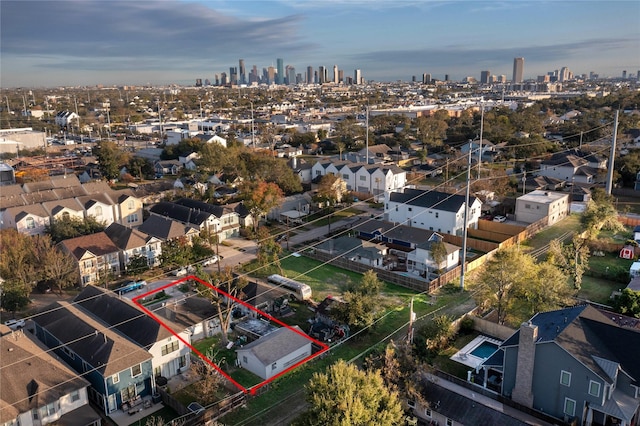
484, 350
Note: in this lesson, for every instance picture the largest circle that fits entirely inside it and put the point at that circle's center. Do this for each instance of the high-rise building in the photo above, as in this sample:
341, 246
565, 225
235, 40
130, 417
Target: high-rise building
271, 75
280, 76
357, 77
242, 78
310, 75
624, 74
223, 78
565, 74
322, 74
518, 70
291, 75
335, 74
340, 76
484, 77
638, 75
198, 82
233, 75
426, 78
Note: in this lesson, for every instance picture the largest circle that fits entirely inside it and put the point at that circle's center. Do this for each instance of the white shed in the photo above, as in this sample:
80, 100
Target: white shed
275, 352
634, 270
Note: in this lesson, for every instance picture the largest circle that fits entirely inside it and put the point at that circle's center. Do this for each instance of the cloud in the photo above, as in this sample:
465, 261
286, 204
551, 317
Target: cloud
120, 34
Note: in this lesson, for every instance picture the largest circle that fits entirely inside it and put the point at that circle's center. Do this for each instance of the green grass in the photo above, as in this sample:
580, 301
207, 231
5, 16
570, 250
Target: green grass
443, 361
597, 289
544, 237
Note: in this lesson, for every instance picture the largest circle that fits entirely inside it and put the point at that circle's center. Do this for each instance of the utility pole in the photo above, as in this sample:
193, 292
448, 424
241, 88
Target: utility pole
464, 226
612, 155
481, 128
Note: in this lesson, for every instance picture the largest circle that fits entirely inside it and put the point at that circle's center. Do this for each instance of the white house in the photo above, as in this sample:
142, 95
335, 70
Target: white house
31, 220
100, 207
538, 204
420, 261
274, 353
68, 208
432, 210
65, 118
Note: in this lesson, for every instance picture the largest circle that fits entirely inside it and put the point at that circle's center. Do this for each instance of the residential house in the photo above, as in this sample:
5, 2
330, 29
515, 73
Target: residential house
489, 150
96, 256
537, 205
545, 183
275, 352
224, 220
37, 387
375, 179
31, 220
355, 249
575, 364
166, 229
128, 208
432, 210
199, 219
170, 355
301, 168
421, 260
446, 407
132, 242
65, 118
100, 207
300, 203
117, 368
167, 167
573, 166
188, 162
64, 209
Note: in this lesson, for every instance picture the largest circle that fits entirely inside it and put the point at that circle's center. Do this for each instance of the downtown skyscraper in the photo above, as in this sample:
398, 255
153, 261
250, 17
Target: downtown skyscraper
280, 70
518, 70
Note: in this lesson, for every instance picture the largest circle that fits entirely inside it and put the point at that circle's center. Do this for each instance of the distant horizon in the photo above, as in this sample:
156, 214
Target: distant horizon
164, 42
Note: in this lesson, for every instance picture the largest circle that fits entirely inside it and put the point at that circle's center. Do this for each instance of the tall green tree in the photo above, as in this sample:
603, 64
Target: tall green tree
19, 259
260, 197
268, 253
110, 159
346, 395
496, 284
600, 214
628, 303
71, 227
572, 259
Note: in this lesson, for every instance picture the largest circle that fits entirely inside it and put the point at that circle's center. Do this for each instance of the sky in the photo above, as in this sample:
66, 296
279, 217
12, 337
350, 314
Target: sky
88, 42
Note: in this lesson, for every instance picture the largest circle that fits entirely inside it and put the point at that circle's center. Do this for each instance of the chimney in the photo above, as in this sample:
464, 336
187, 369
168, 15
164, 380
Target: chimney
524, 369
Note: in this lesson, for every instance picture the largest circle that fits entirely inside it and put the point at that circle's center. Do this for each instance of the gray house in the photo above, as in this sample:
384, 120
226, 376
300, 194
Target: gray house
575, 364
274, 353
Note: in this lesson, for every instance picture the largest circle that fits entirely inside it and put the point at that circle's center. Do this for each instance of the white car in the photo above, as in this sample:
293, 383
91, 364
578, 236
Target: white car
180, 272
500, 219
210, 261
14, 324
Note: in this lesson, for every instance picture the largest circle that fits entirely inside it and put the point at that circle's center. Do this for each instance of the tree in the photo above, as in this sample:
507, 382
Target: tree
14, 295
438, 253
346, 395
361, 302
71, 227
548, 290
205, 389
137, 264
369, 284
628, 303
18, 260
572, 259
331, 189
175, 252
435, 334
140, 168
227, 283
110, 158
496, 283
401, 370
600, 214
433, 130
260, 197
268, 254
58, 267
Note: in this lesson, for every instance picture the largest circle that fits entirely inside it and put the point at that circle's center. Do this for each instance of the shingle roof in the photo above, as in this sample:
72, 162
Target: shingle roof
99, 244
277, 344
126, 238
124, 316
430, 199
104, 349
26, 363
164, 228
180, 213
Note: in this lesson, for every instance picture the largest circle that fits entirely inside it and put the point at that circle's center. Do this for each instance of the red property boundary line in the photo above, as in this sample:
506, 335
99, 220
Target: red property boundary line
252, 390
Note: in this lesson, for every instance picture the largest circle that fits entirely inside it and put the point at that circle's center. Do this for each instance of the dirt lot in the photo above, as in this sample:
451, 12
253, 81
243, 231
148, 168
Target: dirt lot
39, 301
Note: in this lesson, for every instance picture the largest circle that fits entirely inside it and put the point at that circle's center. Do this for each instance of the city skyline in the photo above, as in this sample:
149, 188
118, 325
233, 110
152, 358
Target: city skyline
171, 41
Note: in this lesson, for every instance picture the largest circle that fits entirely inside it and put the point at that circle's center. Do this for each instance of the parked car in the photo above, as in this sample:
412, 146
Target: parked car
14, 324
210, 261
500, 218
180, 272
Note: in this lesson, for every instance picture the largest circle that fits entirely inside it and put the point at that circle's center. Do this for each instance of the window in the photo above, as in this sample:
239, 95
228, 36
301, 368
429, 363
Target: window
411, 404
130, 205
410, 209
68, 352
136, 370
437, 215
244, 359
128, 393
274, 365
594, 388
115, 378
569, 407
427, 412
345, 176
132, 218
363, 178
50, 409
170, 347
565, 378
449, 422
75, 396
182, 361
98, 211
31, 224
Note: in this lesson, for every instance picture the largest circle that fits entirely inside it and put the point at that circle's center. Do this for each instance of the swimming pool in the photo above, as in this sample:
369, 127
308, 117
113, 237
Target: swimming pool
484, 350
